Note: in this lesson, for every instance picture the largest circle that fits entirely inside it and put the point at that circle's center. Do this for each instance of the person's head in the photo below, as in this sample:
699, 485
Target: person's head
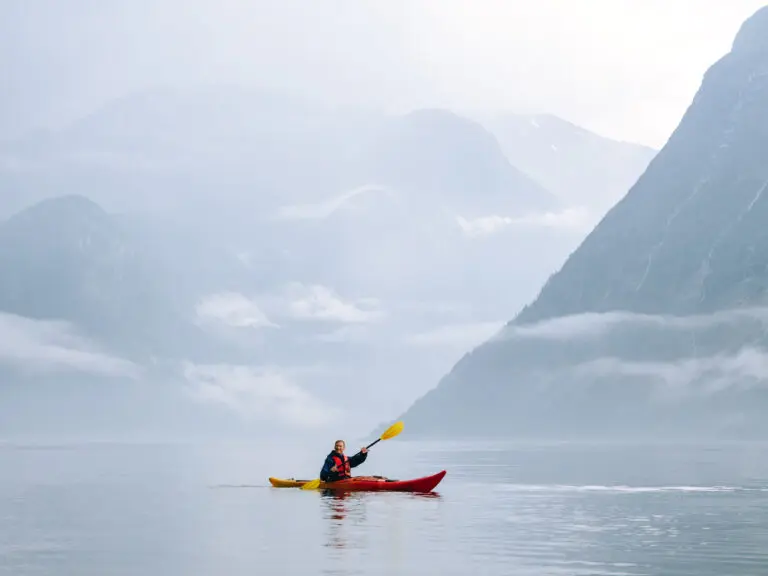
339, 446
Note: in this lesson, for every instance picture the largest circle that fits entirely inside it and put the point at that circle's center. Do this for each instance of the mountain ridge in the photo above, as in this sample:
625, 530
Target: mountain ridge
579, 166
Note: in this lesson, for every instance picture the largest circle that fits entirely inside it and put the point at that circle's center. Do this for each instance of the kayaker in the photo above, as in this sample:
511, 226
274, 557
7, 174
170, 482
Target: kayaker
338, 465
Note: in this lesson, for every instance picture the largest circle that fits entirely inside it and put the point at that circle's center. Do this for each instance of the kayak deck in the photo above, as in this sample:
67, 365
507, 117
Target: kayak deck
368, 484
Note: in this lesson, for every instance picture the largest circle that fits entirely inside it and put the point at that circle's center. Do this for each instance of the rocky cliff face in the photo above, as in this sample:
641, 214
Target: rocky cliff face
654, 325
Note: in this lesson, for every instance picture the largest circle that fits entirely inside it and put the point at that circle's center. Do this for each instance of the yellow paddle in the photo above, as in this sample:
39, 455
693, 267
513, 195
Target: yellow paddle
390, 432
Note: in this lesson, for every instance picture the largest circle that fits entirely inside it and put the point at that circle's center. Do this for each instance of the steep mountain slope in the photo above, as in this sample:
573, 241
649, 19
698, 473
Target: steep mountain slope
578, 166
654, 325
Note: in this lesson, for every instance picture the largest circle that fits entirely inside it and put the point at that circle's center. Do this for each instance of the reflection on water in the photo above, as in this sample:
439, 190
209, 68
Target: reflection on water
338, 508
345, 512
370, 532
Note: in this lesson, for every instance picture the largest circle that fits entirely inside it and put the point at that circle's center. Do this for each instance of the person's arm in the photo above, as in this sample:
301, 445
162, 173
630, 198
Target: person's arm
357, 459
326, 471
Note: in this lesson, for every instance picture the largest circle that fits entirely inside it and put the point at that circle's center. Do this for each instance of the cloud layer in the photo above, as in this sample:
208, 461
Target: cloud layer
294, 302
267, 393
596, 325
746, 368
576, 219
328, 207
317, 302
33, 346
461, 335
686, 355
233, 309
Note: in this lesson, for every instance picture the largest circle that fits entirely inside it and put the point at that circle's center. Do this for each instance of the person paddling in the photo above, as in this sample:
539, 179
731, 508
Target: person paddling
338, 466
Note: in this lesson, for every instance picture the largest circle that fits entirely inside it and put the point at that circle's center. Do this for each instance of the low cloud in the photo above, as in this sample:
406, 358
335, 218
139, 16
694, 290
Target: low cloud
233, 309
54, 346
326, 208
345, 319
320, 303
740, 363
244, 258
572, 219
746, 368
268, 393
462, 335
347, 334
595, 325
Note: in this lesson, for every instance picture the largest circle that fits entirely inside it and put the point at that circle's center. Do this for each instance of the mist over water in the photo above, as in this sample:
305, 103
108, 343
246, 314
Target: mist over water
233, 232
504, 508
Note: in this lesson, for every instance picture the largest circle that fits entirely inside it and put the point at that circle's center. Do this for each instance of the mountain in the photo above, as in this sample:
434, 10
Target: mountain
269, 252
169, 149
195, 240
454, 161
249, 170
103, 332
655, 325
580, 167
67, 259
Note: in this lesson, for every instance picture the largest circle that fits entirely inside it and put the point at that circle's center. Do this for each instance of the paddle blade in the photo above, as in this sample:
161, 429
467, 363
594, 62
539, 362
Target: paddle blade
311, 485
392, 431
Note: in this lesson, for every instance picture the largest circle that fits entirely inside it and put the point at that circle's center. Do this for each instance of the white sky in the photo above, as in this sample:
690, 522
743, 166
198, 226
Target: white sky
624, 68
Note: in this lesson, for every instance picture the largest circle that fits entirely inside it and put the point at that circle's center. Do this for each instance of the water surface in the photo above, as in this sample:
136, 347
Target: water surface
504, 508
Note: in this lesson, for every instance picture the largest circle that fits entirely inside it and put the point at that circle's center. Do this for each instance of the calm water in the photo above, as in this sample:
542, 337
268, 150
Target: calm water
112, 509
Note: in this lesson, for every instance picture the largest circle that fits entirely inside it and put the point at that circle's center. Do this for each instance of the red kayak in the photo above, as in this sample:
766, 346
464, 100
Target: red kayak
369, 484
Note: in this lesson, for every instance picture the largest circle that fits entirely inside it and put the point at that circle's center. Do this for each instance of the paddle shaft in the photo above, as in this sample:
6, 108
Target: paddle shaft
373, 443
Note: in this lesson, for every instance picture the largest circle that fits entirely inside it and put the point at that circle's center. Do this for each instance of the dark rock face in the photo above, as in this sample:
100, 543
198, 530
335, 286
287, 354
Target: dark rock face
669, 286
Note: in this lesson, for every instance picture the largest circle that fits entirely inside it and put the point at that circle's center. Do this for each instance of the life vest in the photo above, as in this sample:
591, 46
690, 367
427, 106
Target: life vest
343, 469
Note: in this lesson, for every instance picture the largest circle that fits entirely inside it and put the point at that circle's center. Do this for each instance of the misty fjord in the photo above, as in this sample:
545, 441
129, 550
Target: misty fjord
656, 325
404, 288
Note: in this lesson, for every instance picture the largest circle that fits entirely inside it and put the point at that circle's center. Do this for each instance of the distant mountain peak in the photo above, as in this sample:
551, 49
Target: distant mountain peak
454, 130
68, 201
581, 167
753, 34
68, 207
438, 115
453, 159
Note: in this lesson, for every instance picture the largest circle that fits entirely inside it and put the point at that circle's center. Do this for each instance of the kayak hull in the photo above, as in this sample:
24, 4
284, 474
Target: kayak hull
368, 484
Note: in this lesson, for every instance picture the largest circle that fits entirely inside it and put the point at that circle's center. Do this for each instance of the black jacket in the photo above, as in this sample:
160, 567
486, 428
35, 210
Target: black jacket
327, 476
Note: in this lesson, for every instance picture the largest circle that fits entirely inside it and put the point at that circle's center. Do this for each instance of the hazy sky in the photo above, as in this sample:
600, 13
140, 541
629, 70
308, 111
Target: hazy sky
625, 68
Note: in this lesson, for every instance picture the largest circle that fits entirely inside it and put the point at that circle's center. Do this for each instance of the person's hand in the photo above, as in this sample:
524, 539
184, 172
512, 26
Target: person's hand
334, 469
363, 450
